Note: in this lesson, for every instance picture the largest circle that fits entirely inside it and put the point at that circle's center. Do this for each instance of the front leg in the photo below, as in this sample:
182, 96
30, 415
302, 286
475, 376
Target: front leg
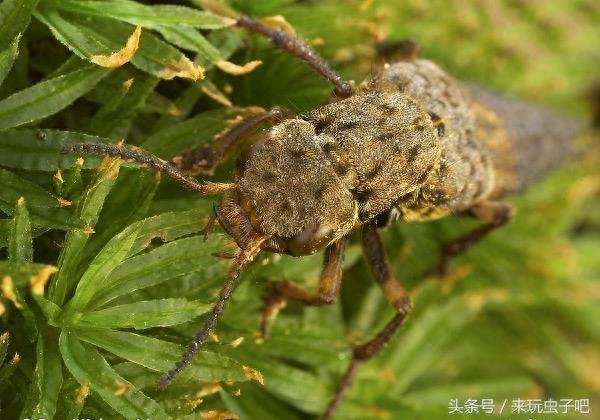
396, 296
329, 287
493, 215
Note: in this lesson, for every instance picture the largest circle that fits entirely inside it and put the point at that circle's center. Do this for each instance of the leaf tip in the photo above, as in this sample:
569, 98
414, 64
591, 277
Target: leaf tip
21, 201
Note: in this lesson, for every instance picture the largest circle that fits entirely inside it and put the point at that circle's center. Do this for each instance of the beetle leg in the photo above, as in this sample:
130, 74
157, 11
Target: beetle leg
300, 49
205, 158
329, 286
395, 294
242, 260
493, 214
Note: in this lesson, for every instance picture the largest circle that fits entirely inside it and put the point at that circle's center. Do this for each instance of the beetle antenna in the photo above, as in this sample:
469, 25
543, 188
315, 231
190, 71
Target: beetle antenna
242, 260
164, 167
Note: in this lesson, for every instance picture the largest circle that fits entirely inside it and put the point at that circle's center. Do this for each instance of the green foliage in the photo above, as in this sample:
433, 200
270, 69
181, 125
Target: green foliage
106, 275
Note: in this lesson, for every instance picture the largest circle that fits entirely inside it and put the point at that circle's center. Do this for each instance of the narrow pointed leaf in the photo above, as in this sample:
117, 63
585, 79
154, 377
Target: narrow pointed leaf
88, 211
149, 16
47, 379
14, 18
45, 208
160, 355
40, 150
48, 97
144, 314
20, 248
177, 258
90, 368
8, 57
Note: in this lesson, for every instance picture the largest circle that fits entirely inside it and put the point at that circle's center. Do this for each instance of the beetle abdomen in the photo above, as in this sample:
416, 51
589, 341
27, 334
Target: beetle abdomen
524, 141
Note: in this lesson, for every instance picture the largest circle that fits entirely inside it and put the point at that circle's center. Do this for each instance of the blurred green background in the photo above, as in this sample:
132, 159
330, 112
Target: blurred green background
519, 317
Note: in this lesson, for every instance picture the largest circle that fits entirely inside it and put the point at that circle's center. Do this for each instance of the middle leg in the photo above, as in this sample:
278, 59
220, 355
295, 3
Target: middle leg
396, 296
329, 287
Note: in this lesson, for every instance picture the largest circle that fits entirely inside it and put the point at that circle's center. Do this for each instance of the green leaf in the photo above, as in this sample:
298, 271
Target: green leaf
48, 97
160, 355
20, 248
3, 346
8, 57
40, 150
90, 36
182, 136
174, 259
21, 273
90, 368
47, 379
14, 18
144, 314
88, 210
44, 207
147, 16
94, 279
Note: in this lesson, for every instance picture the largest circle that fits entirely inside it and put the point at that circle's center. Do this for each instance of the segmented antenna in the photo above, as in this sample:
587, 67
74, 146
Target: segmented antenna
242, 260
152, 161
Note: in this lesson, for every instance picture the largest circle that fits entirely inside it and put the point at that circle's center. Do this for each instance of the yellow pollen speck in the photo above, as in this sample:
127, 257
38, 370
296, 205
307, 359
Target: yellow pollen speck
82, 393
124, 55
237, 70
208, 389
235, 343
121, 389
214, 93
21, 201
182, 68
88, 230
58, 177
193, 403
280, 23
218, 415
79, 162
128, 83
63, 203
8, 291
253, 375
38, 282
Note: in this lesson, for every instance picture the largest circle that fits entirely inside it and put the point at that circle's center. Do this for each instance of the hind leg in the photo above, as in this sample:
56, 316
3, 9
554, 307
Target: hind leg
493, 214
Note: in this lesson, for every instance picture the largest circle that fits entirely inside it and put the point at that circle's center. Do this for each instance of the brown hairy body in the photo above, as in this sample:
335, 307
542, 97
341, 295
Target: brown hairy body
409, 144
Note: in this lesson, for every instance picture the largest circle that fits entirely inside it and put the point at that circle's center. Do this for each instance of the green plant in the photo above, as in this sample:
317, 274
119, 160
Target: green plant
127, 274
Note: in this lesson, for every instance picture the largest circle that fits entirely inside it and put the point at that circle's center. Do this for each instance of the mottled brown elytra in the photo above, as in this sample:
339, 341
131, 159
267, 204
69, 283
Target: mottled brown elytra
409, 143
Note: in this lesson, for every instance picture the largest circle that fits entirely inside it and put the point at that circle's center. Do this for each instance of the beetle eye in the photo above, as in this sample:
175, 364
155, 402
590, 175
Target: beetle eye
310, 239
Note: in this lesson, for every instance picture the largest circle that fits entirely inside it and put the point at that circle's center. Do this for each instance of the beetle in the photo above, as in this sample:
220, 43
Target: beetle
409, 143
